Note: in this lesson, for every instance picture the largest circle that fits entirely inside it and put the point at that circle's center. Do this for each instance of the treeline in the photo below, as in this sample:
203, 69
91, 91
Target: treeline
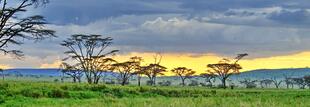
89, 56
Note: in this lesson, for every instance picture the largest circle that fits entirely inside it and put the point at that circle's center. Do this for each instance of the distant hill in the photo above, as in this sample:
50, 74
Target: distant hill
46, 72
277, 73
255, 74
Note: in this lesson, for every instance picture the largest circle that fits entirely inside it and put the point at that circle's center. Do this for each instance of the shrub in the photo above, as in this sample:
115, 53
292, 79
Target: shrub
4, 86
98, 87
32, 93
58, 93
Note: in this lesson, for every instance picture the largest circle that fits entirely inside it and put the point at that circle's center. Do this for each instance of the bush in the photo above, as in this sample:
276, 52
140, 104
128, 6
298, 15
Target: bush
58, 93
98, 87
32, 93
4, 86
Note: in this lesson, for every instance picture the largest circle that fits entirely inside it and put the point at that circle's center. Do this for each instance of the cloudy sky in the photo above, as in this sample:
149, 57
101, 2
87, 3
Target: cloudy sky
275, 33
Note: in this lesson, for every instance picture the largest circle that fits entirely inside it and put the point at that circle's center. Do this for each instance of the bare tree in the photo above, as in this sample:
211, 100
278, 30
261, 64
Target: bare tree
209, 78
224, 69
184, 73
127, 69
72, 71
14, 29
89, 52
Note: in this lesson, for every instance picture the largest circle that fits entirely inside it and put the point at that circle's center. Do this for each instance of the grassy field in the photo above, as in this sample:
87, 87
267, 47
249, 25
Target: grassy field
39, 94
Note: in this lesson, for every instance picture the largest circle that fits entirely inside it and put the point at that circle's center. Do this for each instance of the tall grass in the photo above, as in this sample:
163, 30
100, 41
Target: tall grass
40, 94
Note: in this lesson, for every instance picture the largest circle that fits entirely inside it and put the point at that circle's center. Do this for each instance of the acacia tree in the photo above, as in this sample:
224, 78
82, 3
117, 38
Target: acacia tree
72, 71
209, 78
89, 51
265, 83
276, 82
139, 70
184, 73
224, 69
14, 28
127, 69
154, 70
288, 81
248, 83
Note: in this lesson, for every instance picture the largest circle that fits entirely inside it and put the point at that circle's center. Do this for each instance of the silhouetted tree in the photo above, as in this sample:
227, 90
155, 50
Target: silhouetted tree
14, 28
72, 71
184, 73
224, 69
276, 82
139, 69
265, 83
300, 82
89, 52
127, 69
155, 69
288, 81
209, 78
307, 80
249, 83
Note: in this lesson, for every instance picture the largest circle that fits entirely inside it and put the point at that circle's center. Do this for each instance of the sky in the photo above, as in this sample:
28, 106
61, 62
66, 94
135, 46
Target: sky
190, 33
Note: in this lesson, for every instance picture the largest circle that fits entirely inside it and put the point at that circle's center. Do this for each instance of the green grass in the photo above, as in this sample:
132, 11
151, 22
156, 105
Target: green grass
39, 94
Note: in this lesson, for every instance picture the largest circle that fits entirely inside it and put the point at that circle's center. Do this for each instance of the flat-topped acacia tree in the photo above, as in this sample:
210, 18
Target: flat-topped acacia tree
90, 52
126, 69
73, 71
225, 68
14, 28
184, 73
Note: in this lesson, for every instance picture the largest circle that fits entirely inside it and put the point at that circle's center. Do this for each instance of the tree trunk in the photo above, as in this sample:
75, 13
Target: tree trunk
224, 83
139, 81
183, 82
154, 81
74, 79
124, 82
